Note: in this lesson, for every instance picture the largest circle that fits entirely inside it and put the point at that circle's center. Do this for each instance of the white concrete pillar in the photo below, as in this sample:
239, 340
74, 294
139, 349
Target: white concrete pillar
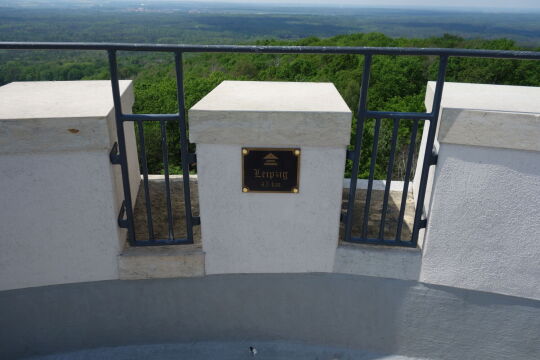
244, 232
484, 222
60, 195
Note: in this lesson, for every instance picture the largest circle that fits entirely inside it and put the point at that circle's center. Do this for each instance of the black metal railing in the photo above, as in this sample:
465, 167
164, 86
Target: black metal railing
363, 115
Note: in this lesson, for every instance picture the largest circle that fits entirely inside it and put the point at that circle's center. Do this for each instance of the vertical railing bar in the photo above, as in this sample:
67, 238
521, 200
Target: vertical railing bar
371, 176
360, 120
389, 177
144, 161
165, 150
184, 148
408, 169
113, 69
443, 62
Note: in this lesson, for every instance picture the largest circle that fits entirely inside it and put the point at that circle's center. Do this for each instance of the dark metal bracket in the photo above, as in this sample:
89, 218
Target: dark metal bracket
350, 154
123, 223
434, 158
114, 155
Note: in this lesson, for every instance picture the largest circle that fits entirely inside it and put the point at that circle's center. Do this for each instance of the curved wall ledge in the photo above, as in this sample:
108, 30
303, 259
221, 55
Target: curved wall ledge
372, 314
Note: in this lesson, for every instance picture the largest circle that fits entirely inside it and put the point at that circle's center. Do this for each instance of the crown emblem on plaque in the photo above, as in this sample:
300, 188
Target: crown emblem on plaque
270, 160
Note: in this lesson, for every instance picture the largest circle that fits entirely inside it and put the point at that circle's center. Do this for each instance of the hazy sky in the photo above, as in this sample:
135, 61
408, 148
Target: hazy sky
488, 4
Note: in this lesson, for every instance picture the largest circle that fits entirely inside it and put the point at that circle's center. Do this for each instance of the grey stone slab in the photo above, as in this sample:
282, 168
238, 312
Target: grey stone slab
271, 96
490, 97
151, 262
267, 113
520, 131
45, 116
495, 116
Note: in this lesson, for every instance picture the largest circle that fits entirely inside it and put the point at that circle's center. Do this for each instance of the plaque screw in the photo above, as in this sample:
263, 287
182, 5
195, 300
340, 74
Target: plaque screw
297, 152
295, 190
245, 151
245, 189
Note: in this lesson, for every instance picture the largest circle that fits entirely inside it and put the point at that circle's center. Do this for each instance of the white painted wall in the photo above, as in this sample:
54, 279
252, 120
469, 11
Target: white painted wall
484, 223
269, 233
263, 232
59, 193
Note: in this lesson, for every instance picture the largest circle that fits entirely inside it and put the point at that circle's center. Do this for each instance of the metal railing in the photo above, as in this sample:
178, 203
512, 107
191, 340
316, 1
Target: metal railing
363, 115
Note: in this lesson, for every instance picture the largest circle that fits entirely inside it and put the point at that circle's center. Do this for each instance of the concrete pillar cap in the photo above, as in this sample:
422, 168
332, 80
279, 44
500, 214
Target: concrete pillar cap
271, 113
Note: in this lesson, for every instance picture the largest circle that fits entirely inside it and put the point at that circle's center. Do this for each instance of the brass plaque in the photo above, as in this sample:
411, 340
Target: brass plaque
270, 170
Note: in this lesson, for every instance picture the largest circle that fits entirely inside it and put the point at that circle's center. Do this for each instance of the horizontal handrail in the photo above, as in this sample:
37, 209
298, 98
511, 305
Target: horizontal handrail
360, 50
150, 117
398, 115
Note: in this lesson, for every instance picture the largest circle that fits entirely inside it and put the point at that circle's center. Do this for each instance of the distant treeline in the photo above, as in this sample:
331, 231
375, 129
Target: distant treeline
179, 22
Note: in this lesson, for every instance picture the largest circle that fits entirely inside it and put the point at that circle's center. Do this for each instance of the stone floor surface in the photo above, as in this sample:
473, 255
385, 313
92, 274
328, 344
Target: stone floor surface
161, 231
159, 209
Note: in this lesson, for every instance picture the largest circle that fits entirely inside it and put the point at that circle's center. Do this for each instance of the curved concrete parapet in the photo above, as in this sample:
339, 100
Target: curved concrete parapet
371, 314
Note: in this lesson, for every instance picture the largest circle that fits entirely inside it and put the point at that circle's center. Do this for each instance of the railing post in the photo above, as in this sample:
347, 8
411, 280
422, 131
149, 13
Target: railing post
360, 121
184, 148
428, 151
122, 145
